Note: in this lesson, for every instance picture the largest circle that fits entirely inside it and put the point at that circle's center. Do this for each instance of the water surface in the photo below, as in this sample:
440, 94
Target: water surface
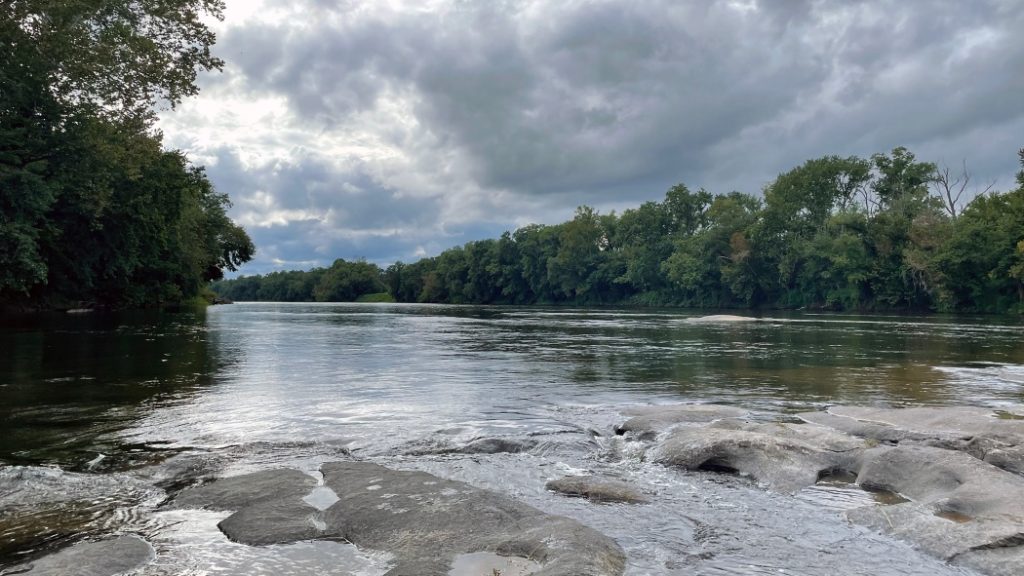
97, 408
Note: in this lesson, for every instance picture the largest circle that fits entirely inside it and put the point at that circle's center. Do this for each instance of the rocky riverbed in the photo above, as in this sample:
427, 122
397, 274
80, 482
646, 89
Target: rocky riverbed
945, 480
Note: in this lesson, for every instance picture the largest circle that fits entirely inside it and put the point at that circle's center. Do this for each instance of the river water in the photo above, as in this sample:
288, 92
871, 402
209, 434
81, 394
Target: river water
98, 411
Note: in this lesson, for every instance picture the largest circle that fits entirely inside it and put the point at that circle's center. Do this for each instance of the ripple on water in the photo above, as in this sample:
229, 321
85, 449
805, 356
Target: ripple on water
43, 508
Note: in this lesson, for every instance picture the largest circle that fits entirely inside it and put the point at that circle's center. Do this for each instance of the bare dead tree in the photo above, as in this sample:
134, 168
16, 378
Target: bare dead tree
869, 200
950, 189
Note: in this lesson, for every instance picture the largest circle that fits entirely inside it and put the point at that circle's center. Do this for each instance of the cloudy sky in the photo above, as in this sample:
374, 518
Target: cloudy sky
390, 130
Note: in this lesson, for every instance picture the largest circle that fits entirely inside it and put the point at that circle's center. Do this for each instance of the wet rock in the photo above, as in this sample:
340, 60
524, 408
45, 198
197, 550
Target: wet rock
189, 468
268, 506
498, 446
508, 445
1009, 459
274, 522
648, 421
953, 481
961, 508
102, 558
976, 431
237, 492
880, 433
426, 522
957, 469
597, 489
999, 561
181, 471
782, 457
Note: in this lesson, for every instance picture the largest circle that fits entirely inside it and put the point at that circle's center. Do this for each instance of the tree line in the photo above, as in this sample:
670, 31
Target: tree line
93, 210
887, 232
342, 282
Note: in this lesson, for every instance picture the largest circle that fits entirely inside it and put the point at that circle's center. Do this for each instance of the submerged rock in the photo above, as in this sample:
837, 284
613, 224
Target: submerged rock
101, 558
597, 489
506, 445
647, 421
498, 445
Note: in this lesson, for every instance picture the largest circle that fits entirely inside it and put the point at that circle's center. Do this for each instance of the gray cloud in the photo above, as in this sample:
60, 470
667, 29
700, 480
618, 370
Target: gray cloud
307, 214
496, 113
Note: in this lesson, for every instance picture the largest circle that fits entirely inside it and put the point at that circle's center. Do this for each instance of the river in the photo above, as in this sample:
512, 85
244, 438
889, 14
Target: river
96, 408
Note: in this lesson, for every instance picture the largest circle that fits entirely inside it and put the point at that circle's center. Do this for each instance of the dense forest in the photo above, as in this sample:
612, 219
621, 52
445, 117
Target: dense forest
95, 212
882, 233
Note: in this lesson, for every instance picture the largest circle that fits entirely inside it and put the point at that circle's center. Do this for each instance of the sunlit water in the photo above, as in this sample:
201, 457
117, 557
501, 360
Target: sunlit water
97, 408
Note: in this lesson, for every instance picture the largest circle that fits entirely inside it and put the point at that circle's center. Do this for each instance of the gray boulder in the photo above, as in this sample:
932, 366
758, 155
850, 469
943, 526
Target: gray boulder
597, 489
101, 558
426, 522
962, 509
976, 431
268, 506
782, 457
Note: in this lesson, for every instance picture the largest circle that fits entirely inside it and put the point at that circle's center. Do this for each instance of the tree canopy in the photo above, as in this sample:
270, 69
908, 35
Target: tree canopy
94, 210
834, 233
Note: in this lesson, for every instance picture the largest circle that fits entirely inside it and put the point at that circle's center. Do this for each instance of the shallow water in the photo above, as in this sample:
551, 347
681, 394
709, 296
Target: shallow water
99, 411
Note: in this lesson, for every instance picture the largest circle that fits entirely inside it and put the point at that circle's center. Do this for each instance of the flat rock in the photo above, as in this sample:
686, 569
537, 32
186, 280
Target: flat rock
100, 558
237, 492
976, 431
268, 506
962, 509
597, 489
427, 522
782, 457
648, 421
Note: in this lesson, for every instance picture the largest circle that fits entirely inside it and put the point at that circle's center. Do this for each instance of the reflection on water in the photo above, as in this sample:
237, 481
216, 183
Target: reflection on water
250, 386
69, 381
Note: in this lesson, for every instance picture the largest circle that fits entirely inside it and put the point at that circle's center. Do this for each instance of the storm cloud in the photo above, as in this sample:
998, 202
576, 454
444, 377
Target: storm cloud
392, 130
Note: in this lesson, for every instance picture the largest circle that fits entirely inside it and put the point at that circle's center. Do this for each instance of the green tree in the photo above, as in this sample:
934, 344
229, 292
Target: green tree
93, 209
115, 58
346, 281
